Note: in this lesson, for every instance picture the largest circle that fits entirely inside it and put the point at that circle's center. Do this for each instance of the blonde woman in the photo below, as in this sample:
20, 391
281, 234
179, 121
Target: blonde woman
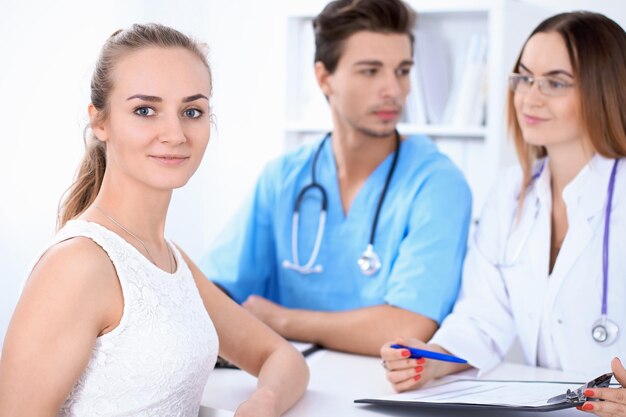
114, 319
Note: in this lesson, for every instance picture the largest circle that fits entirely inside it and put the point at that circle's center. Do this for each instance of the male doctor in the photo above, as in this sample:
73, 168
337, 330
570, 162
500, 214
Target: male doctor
360, 236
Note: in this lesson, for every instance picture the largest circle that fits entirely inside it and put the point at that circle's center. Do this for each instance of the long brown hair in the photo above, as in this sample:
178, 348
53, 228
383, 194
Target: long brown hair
89, 177
596, 46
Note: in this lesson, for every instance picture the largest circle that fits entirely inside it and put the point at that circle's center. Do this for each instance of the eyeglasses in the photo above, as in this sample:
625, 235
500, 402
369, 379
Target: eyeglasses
548, 86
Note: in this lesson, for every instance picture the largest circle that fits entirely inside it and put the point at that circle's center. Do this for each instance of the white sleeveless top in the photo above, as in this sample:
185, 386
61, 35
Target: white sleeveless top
157, 360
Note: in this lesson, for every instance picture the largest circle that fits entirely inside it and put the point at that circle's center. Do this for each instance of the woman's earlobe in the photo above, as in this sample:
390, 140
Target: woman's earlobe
92, 112
95, 123
98, 133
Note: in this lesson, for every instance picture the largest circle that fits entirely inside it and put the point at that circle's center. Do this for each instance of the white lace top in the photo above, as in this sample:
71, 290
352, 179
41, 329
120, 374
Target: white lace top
157, 360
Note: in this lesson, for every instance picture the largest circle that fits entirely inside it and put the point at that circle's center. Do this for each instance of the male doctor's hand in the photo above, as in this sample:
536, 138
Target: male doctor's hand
615, 398
270, 313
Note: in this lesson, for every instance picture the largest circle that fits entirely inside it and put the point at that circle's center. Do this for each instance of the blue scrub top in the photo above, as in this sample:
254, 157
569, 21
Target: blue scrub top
421, 235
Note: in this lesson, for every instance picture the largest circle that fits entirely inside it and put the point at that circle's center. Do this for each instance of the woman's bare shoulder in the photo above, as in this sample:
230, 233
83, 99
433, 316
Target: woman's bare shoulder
76, 265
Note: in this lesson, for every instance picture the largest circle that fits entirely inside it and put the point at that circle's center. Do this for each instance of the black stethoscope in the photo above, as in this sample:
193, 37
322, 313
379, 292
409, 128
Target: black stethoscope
604, 331
369, 262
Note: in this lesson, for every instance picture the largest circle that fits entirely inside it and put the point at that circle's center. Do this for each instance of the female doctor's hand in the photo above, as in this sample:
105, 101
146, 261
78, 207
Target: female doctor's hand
406, 373
615, 398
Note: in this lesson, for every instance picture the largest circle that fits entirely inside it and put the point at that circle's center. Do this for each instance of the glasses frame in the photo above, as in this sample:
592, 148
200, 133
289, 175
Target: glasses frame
542, 84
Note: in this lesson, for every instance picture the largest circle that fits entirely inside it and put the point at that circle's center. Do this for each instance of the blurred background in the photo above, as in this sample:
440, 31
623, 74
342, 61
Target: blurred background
47, 52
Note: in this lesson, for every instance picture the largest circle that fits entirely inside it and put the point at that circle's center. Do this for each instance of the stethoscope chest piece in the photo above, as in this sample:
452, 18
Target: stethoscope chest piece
604, 331
369, 261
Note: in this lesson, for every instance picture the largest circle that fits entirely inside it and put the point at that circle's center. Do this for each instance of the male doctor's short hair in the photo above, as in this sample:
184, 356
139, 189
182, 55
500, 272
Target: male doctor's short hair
342, 18
596, 46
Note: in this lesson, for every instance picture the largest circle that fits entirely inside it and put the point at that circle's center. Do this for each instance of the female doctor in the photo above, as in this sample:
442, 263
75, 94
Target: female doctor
547, 262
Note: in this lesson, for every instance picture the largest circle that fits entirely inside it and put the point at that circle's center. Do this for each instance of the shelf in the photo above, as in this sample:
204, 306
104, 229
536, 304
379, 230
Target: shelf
308, 9
478, 132
447, 6
454, 90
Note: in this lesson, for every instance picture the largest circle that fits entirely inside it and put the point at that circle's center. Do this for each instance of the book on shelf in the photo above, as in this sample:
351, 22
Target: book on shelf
467, 103
433, 68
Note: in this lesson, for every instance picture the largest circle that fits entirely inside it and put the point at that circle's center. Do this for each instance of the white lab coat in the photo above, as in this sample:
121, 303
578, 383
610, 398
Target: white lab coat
499, 302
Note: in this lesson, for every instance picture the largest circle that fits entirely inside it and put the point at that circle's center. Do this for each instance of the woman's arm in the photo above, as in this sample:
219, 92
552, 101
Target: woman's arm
251, 345
71, 296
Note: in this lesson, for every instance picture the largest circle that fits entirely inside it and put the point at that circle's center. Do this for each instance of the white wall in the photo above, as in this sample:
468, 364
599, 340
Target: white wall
615, 9
46, 53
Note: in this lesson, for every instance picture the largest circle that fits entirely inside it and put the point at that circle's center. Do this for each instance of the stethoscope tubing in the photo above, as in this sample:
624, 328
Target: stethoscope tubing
308, 268
383, 193
605, 240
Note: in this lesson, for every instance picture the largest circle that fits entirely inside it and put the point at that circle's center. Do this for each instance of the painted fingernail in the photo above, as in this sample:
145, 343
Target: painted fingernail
587, 407
421, 361
588, 393
406, 353
417, 377
419, 369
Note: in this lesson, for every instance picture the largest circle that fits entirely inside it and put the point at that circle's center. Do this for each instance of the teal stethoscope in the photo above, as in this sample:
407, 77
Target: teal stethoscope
604, 331
369, 262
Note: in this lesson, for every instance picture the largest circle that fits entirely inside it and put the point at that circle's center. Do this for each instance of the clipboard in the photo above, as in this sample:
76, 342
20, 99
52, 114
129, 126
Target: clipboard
495, 395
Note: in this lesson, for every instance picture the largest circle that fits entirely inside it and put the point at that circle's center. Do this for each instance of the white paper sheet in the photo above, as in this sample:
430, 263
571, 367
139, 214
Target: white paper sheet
528, 394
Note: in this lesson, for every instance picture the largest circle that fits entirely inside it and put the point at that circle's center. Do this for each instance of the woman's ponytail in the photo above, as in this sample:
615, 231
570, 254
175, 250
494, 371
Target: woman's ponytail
87, 184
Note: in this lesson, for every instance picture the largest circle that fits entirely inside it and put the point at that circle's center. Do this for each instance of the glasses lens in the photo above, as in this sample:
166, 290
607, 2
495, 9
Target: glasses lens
520, 83
554, 87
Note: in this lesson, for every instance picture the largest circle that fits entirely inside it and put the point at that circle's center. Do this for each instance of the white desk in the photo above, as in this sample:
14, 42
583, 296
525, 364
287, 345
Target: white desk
337, 379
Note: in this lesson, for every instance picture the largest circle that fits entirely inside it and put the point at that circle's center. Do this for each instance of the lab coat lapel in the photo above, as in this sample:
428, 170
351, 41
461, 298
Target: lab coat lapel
585, 198
578, 237
539, 268
534, 262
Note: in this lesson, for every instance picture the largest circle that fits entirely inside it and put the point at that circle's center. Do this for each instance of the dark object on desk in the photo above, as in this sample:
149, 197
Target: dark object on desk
571, 398
464, 407
223, 363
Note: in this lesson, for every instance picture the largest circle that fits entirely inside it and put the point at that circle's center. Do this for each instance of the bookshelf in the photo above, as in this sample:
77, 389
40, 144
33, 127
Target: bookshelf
459, 101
